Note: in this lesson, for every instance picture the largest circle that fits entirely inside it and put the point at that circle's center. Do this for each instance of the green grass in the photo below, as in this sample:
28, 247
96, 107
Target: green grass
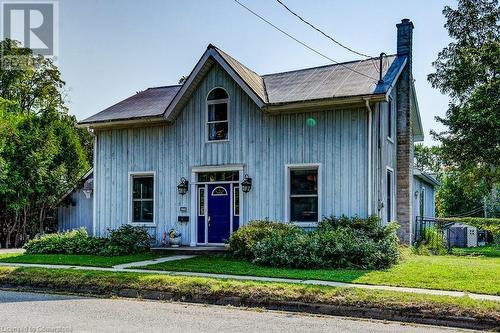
487, 251
74, 259
470, 274
183, 287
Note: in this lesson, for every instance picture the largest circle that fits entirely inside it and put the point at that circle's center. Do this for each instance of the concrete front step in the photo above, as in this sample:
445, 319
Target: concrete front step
188, 250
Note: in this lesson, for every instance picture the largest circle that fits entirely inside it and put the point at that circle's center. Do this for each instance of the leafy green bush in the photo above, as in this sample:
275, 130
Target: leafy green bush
369, 227
70, 242
431, 243
337, 242
125, 240
243, 241
294, 249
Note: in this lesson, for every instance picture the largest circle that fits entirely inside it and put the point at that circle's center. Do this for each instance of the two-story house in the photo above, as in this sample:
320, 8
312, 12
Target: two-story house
229, 146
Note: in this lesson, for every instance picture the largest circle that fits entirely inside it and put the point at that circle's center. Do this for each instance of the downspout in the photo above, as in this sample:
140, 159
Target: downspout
380, 203
94, 182
369, 109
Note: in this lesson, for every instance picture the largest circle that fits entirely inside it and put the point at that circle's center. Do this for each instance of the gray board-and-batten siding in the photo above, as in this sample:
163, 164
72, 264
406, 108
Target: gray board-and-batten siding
75, 212
262, 143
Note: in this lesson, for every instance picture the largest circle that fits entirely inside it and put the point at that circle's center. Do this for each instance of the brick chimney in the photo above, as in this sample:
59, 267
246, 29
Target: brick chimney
404, 136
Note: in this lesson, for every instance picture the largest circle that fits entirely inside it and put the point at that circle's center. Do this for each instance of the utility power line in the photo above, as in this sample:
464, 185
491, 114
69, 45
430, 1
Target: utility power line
323, 33
471, 212
304, 44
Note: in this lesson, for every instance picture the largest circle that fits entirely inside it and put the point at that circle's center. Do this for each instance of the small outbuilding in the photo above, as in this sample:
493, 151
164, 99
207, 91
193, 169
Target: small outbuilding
76, 206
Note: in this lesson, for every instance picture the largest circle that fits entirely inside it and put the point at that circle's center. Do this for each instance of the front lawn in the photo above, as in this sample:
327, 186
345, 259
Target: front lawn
252, 292
74, 259
487, 251
470, 274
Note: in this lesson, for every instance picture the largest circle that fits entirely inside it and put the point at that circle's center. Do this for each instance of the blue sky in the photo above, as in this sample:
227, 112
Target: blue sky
110, 49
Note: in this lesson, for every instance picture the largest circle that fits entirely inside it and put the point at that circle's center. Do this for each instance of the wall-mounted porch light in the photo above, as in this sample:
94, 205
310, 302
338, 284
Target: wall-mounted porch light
246, 184
183, 186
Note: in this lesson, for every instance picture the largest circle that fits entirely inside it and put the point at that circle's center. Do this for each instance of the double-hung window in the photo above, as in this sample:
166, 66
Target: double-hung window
303, 194
142, 198
390, 194
217, 115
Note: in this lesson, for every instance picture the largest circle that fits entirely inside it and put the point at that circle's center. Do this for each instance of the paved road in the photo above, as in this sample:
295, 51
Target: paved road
30, 312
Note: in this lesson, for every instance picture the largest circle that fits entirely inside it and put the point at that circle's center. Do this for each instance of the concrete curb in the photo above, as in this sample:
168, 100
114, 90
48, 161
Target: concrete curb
419, 317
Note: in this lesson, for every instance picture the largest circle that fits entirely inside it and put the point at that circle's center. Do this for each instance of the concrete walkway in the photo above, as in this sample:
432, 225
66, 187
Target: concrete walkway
2, 251
152, 261
121, 268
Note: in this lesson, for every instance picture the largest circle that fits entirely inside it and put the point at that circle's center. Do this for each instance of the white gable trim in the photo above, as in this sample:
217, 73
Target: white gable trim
418, 130
174, 106
395, 79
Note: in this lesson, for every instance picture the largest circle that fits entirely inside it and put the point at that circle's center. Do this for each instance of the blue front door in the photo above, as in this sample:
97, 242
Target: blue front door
219, 212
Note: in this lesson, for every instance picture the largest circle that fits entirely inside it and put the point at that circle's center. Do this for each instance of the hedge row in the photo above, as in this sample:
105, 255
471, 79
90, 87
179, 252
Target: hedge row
122, 241
491, 225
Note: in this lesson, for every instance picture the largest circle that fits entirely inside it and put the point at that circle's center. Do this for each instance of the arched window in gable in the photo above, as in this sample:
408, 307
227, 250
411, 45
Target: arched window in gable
218, 115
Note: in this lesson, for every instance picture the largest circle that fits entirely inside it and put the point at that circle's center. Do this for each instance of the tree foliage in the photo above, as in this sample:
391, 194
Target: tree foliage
459, 194
428, 159
468, 70
41, 152
491, 225
459, 191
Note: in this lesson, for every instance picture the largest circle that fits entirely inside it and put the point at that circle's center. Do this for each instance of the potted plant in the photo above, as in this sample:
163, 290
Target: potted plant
174, 238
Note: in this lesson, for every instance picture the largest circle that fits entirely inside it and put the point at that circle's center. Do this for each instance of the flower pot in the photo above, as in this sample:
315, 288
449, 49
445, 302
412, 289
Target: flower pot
175, 242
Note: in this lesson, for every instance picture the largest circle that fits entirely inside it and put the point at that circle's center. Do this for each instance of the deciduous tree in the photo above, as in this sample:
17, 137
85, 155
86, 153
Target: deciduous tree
468, 70
42, 153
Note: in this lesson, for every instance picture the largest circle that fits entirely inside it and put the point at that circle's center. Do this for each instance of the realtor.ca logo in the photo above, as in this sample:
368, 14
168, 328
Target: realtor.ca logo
34, 24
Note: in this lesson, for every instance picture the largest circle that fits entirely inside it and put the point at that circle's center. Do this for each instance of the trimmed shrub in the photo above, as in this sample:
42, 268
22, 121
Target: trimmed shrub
369, 226
124, 240
337, 242
242, 242
127, 240
70, 242
296, 250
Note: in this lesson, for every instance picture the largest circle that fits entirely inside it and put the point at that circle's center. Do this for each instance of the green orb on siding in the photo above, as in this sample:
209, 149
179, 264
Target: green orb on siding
311, 122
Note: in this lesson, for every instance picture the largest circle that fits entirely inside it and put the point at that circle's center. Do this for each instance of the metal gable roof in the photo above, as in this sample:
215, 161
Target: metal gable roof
254, 80
317, 83
244, 77
148, 103
338, 80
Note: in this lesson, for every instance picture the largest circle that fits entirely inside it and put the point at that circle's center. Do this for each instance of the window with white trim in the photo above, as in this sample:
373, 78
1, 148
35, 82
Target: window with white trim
219, 191
218, 115
142, 198
304, 194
